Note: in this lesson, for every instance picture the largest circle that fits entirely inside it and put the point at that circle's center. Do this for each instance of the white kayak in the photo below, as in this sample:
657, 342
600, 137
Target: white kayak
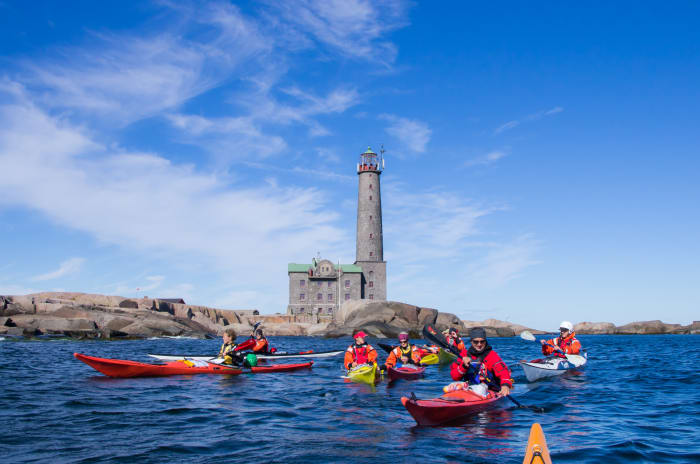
551, 366
277, 355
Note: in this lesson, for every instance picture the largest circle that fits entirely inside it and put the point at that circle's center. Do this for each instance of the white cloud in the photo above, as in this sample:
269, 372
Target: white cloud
355, 28
530, 117
70, 266
486, 159
507, 126
413, 134
142, 201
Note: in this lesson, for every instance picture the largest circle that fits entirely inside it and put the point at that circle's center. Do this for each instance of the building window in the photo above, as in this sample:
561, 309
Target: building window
302, 296
370, 218
330, 310
301, 310
319, 297
371, 253
370, 198
330, 297
347, 284
370, 284
302, 283
371, 296
370, 186
371, 235
347, 296
329, 284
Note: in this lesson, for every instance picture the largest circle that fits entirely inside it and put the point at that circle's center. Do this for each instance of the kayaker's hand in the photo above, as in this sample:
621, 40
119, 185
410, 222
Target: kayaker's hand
404, 359
353, 365
466, 361
543, 342
505, 391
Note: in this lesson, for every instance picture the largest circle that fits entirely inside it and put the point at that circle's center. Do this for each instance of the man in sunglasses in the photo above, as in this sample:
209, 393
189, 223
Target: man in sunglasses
481, 364
565, 343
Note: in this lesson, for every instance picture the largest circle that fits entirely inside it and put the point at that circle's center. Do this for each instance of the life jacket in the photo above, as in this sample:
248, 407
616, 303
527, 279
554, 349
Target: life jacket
485, 366
411, 352
261, 346
360, 353
569, 345
226, 349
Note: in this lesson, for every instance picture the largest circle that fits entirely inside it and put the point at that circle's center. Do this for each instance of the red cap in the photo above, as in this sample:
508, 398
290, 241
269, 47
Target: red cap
359, 334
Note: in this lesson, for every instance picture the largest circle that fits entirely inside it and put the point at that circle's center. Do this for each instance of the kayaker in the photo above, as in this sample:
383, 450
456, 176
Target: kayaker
228, 348
565, 343
261, 345
405, 353
359, 352
454, 340
481, 364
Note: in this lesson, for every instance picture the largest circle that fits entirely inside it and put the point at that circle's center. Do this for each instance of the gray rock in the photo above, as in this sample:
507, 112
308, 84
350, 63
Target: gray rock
128, 304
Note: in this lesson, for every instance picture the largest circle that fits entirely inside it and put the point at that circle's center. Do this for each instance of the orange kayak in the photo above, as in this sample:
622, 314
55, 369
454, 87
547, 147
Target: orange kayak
537, 451
123, 368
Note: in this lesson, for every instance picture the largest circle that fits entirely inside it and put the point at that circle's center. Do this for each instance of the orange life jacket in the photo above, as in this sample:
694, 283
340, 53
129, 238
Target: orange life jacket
569, 345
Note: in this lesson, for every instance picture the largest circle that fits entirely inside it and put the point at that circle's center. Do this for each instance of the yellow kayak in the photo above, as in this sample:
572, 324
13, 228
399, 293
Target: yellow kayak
365, 373
429, 359
446, 357
537, 451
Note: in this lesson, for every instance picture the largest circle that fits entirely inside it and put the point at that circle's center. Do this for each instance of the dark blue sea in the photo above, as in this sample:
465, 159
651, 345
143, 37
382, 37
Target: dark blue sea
637, 400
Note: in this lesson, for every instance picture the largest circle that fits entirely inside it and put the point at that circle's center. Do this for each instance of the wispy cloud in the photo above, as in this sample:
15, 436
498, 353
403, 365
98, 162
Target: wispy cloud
355, 28
414, 135
488, 158
70, 266
530, 117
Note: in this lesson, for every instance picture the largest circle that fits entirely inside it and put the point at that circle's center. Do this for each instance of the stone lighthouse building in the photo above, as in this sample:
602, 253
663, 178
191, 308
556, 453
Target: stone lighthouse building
318, 289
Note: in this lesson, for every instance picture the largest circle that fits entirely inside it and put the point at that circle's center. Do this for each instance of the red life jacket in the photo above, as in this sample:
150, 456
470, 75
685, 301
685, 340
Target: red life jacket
361, 354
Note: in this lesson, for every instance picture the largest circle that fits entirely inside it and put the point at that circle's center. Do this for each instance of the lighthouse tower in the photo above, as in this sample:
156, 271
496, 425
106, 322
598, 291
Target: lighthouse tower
370, 241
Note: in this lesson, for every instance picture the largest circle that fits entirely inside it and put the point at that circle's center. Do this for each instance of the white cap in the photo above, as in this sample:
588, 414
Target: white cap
566, 325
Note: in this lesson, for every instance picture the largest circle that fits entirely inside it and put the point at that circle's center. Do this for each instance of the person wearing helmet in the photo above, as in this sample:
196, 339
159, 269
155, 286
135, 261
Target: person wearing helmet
565, 343
261, 345
359, 352
481, 364
404, 353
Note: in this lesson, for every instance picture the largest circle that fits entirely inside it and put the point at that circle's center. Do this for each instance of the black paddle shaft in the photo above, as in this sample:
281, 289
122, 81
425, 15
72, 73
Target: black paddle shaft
431, 334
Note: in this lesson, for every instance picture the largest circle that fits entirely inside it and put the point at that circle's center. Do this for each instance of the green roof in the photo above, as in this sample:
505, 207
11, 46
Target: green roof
294, 267
369, 151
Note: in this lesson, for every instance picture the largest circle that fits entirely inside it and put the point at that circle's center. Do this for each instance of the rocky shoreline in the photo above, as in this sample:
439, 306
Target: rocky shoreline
91, 316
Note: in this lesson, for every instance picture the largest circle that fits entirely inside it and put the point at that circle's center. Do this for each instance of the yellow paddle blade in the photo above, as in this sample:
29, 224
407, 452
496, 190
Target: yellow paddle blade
429, 359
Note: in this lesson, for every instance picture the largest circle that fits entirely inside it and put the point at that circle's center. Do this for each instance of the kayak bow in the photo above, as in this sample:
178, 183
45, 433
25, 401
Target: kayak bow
537, 451
407, 373
364, 373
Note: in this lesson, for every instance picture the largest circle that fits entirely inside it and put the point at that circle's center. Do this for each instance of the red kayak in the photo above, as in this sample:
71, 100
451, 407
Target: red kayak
124, 368
449, 407
407, 373
281, 367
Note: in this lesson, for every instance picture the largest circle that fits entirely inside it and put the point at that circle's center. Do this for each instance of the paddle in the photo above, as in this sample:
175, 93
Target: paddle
431, 334
385, 347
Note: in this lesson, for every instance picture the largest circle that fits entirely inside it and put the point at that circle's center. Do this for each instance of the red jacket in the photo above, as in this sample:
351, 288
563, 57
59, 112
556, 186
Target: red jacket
492, 367
569, 345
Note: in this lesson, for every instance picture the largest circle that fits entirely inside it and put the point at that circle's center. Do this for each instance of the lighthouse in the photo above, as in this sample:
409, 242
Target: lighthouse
369, 253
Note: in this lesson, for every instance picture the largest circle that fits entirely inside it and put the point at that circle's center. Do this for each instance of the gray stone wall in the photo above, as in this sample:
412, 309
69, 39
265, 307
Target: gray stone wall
326, 285
370, 241
373, 280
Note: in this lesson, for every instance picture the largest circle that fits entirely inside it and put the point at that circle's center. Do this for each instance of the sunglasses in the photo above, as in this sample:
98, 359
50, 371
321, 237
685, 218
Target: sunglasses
562, 329
478, 342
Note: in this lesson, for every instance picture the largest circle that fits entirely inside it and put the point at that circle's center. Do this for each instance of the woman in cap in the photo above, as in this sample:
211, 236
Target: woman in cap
404, 353
359, 352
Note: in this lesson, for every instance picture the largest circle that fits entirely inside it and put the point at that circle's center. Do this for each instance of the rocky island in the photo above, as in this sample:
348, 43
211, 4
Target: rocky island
82, 315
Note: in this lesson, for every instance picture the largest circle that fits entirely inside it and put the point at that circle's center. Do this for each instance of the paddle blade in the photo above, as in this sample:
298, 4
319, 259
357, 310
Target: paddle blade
525, 335
245, 345
429, 359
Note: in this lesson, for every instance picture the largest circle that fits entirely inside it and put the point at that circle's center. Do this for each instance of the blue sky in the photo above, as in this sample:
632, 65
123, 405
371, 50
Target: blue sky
542, 161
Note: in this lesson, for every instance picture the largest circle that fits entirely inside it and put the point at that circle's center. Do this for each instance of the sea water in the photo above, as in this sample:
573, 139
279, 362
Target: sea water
637, 400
